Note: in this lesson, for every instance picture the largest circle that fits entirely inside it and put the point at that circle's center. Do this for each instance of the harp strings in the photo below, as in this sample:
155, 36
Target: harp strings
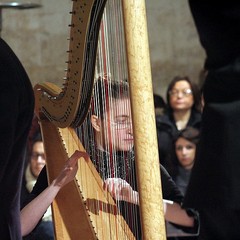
111, 145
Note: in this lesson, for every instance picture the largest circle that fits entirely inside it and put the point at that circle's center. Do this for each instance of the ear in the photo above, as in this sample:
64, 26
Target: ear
96, 123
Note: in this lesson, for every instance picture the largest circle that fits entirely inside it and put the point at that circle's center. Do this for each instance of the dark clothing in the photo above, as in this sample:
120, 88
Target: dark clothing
182, 179
16, 105
218, 29
43, 231
125, 169
40, 186
24, 192
219, 223
169, 190
166, 132
217, 167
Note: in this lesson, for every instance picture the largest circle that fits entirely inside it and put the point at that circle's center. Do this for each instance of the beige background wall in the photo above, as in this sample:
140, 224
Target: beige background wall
39, 38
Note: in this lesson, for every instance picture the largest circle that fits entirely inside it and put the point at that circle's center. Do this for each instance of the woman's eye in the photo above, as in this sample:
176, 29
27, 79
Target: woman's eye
179, 148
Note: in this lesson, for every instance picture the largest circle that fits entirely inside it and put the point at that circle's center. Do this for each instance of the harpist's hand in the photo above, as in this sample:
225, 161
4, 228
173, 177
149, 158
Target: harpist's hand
121, 190
69, 170
33, 212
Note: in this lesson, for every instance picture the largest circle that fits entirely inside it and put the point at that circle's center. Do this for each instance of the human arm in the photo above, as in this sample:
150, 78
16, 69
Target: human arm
122, 191
34, 210
174, 213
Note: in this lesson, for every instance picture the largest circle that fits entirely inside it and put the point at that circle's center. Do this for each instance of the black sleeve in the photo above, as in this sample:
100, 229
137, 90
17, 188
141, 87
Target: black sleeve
170, 190
40, 185
218, 28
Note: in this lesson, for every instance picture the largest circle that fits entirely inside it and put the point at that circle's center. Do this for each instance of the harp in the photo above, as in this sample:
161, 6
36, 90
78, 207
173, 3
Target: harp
83, 210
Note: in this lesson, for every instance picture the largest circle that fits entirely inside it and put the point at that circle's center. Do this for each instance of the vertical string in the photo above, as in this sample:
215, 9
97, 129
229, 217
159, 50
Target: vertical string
111, 66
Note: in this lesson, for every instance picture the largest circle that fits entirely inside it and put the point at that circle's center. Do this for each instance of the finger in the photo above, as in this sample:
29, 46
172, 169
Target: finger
72, 161
75, 156
104, 186
107, 185
83, 155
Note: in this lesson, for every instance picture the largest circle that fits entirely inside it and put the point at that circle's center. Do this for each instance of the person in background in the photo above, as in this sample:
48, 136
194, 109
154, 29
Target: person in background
43, 193
185, 150
16, 106
159, 105
36, 162
183, 109
185, 146
214, 188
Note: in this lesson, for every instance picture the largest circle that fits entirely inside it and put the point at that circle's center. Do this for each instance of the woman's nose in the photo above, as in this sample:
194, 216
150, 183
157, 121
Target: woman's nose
180, 94
184, 151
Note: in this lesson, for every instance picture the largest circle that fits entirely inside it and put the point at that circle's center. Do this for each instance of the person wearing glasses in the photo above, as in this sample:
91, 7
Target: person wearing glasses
183, 109
36, 194
37, 161
112, 124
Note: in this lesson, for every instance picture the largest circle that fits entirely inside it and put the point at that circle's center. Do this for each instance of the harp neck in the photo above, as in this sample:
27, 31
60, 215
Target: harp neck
68, 106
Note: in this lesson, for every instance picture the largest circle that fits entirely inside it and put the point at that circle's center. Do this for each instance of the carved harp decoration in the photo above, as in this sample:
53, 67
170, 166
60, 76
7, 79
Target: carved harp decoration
82, 209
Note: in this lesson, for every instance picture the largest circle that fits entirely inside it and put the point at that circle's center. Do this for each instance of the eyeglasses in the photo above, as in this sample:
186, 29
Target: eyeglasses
35, 156
185, 92
122, 123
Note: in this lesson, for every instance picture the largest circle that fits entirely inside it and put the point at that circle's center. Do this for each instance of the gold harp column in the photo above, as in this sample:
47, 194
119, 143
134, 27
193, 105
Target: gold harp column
144, 126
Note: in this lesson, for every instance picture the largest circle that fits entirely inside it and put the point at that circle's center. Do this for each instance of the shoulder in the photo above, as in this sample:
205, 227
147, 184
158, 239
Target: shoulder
40, 185
42, 182
196, 119
164, 122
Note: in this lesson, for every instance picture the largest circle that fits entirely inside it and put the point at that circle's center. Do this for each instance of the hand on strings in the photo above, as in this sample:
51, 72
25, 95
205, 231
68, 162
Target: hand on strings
121, 190
69, 170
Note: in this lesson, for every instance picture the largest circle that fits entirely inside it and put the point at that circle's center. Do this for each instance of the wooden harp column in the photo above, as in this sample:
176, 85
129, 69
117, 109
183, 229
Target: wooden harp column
144, 126
59, 110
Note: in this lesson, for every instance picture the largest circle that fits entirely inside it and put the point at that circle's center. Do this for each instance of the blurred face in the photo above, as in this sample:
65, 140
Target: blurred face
38, 159
116, 127
185, 151
181, 97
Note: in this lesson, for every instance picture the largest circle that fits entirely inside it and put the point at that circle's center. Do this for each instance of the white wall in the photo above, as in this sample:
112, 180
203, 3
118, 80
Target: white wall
39, 38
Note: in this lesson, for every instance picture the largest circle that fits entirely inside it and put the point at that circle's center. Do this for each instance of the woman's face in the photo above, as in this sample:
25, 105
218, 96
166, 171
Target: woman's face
181, 97
185, 151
